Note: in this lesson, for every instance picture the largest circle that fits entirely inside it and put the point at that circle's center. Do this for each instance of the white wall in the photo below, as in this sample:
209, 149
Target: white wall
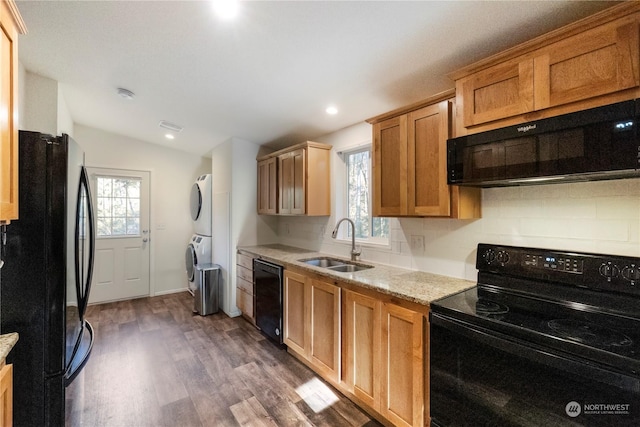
602, 217
235, 219
43, 108
173, 172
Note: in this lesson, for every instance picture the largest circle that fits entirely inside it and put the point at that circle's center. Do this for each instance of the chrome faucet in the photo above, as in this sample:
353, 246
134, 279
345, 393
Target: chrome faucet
354, 252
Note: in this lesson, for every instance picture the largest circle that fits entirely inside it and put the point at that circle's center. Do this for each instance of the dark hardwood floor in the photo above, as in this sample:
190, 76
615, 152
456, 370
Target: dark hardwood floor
154, 363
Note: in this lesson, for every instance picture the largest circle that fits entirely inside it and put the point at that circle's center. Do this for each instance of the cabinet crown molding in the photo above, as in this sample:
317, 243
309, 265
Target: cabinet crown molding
305, 144
447, 94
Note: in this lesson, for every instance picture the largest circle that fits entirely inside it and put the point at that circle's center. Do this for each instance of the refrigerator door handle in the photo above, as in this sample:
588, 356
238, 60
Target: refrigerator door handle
84, 260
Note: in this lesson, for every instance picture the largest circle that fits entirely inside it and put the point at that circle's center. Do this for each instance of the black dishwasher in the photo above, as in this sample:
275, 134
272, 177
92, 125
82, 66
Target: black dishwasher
268, 291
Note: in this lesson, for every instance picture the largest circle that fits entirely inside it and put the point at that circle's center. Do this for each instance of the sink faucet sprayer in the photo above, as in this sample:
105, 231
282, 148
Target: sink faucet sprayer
355, 253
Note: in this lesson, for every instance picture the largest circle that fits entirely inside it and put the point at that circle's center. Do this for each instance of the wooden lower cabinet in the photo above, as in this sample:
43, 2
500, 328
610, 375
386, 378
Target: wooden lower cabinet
361, 347
296, 313
325, 328
312, 322
244, 286
372, 350
6, 395
384, 358
402, 366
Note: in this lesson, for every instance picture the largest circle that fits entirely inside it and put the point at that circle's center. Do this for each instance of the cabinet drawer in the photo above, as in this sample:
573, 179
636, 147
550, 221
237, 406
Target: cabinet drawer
244, 285
244, 301
245, 273
245, 260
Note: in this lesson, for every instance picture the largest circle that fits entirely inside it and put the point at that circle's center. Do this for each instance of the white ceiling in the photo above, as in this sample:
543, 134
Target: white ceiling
268, 76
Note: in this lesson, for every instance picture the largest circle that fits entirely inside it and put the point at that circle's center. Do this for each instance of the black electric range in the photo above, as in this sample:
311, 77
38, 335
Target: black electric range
566, 322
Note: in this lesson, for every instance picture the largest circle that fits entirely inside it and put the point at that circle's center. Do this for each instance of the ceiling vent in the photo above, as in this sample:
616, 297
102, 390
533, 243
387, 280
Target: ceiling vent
171, 126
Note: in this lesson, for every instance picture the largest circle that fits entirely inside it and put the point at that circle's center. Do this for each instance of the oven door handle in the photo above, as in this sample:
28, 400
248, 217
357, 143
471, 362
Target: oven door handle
536, 353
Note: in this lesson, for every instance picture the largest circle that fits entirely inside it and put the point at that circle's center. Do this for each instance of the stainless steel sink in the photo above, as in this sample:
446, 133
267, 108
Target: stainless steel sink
349, 268
323, 262
336, 265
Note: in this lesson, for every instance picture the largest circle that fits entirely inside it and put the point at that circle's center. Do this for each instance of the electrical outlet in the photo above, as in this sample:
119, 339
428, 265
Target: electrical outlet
417, 243
323, 231
286, 227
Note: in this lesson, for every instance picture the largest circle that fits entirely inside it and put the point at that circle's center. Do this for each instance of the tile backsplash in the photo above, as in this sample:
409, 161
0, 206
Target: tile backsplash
602, 217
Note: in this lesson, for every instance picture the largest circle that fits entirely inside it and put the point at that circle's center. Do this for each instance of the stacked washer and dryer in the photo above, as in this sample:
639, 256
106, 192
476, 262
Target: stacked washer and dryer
199, 247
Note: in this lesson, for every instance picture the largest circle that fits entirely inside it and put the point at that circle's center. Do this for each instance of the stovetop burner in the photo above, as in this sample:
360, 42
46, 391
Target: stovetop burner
589, 333
485, 307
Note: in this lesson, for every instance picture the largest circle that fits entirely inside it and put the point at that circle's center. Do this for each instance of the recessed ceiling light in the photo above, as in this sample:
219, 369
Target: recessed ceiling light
226, 9
169, 136
332, 110
125, 93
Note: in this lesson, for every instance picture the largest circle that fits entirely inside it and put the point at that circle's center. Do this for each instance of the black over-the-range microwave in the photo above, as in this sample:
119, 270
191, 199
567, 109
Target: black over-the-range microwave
600, 143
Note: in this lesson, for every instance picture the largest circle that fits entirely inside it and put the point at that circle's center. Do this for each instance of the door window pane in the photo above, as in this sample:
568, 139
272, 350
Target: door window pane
118, 206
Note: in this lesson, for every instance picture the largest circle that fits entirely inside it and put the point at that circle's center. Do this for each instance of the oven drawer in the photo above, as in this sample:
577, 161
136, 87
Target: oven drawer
480, 377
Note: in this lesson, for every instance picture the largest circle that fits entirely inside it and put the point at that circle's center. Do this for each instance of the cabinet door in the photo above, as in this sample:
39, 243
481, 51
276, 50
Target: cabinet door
6, 395
597, 62
299, 173
402, 369
362, 347
503, 90
267, 186
296, 309
292, 175
325, 328
427, 160
390, 167
8, 116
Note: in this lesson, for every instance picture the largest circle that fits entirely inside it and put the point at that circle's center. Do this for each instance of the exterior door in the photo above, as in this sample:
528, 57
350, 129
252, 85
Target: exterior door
121, 201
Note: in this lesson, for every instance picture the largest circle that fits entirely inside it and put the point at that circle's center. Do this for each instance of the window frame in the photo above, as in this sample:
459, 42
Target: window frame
344, 232
126, 235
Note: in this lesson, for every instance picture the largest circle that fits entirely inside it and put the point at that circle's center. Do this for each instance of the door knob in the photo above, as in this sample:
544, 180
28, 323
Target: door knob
145, 240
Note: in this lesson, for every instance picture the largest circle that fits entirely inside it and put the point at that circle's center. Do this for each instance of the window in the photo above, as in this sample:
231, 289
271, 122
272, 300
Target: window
358, 168
118, 210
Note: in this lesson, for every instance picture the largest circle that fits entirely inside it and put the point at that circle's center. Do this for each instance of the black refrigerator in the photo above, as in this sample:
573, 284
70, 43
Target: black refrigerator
46, 276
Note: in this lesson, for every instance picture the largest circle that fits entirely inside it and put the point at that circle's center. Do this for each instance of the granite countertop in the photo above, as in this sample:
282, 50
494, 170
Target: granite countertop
415, 286
7, 341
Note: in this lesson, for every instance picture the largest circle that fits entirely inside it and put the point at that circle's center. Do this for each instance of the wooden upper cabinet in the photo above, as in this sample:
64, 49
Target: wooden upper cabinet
503, 90
410, 163
598, 62
296, 181
292, 182
590, 63
428, 192
268, 186
390, 167
11, 24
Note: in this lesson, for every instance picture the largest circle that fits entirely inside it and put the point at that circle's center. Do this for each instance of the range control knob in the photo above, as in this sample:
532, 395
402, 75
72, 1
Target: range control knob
502, 257
609, 270
489, 256
631, 273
